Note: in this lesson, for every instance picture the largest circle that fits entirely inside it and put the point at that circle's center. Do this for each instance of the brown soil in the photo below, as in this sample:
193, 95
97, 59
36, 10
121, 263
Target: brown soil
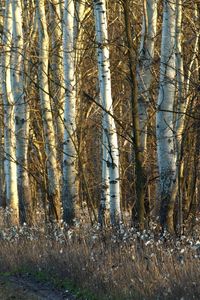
26, 288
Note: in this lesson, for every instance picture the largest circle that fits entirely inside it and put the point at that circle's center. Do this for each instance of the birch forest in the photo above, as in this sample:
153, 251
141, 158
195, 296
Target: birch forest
100, 118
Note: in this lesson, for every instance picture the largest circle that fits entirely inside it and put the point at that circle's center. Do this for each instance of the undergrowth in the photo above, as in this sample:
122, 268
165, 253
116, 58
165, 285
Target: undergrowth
105, 264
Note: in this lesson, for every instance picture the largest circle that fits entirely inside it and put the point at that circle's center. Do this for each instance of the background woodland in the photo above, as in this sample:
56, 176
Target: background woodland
100, 112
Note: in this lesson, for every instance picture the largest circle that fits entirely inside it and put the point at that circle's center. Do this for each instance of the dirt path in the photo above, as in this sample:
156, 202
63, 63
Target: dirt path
26, 288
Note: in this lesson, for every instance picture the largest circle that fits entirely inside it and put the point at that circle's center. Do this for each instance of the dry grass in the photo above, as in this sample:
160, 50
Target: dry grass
111, 265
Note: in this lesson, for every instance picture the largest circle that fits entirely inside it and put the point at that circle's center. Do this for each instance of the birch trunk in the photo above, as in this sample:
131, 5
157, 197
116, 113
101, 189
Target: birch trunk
108, 122
10, 166
70, 188
105, 190
182, 106
48, 126
165, 117
79, 14
57, 72
180, 117
21, 111
144, 69
2, 181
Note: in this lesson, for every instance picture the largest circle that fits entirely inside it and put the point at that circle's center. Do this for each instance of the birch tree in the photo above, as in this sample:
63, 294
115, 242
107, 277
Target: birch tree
57, 71
144, 69
69, 189
164, 116
2, 181
183, 101
48, 126
12, 199
79, 15
105, 189
144, 76
21, 109
108, 123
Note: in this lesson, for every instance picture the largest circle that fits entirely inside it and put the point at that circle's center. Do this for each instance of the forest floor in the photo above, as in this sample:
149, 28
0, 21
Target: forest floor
24, 287
96, 264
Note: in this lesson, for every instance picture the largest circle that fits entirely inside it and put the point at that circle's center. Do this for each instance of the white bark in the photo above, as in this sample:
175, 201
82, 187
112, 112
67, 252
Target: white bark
50, 140
105, 190
57, 72
144, 68
2, 185
9, 120
21, 110
164, 116
69, 193
106, 97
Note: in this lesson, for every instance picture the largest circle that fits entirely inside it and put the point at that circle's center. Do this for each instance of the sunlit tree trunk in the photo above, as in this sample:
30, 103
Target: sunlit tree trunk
69, 192
21, 110
2, 181
2, 185
182, 105
57, 72
79, 14
195, 51
105, 189
165, 117
48, 126
144, 69
112, 158
144, 79
12, 199
79, 45
180, 116
80, 10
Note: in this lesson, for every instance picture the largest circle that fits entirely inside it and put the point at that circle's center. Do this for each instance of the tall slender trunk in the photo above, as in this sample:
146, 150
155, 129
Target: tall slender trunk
165, 116
144, 68
144, 79
79, 46
10, 166
105, 189
2, 181
57, 73
79, 14
48, 126
21, 111
108, 123
139, 154
182, 106
69, 192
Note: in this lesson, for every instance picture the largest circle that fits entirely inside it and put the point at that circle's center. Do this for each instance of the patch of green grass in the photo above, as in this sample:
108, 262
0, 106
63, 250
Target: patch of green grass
57, 282
6, 274
66, 284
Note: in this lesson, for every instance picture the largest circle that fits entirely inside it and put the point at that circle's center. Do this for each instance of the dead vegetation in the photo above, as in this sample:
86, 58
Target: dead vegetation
122, 264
